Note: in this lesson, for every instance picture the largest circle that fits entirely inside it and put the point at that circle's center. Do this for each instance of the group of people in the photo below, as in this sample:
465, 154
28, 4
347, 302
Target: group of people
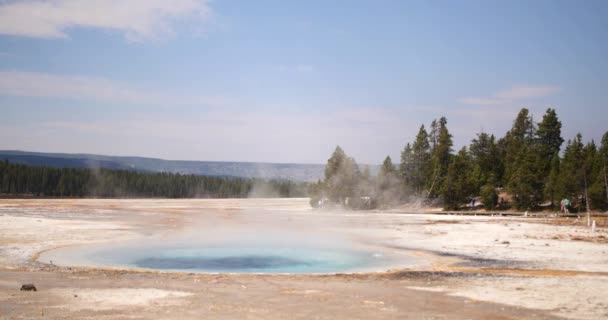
565, 205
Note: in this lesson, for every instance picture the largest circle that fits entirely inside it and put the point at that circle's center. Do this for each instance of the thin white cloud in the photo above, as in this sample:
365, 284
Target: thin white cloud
510, 95
220, 134
527, 92
136, 19
33, 84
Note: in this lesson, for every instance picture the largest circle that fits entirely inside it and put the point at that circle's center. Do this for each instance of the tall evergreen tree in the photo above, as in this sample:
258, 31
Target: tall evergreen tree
421, 154
434, 135
549, 137
387, 168
598, 191
406, 167
571, 180
526, 182
590, 170
458, 185
518, 140
334, 163
552, 182
486, 160
440, 158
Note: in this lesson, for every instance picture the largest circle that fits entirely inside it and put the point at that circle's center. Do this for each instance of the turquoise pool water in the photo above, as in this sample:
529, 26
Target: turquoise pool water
231, 258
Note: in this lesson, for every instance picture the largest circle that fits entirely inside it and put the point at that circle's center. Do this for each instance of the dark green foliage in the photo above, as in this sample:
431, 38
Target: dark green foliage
420, 166
16, 179
458, 185
526, 182
591, 170
440, 158
572, 172
406, 167
520, 137
486, 159
552, 181
598, 192
489, 196
526, 163
549, 139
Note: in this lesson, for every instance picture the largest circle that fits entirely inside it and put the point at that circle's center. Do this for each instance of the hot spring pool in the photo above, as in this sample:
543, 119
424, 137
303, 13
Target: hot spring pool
242, 258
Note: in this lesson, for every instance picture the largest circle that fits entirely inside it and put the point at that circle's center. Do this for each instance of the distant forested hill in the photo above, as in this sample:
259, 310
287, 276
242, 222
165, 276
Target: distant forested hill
17, 180
285, 171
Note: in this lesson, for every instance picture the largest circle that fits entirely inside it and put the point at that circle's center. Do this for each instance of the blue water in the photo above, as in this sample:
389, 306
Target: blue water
227, 259
253, 259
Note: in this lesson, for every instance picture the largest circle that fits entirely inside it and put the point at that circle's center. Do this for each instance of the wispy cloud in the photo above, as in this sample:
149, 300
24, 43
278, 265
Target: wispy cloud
222, 134
33, 84
513, 94
136, 19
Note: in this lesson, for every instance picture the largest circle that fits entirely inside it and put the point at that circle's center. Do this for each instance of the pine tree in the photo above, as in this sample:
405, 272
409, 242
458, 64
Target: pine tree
489, 196
421, 161
517, 140
434, 135
406, 167
571, 180
440, 158
387, 167
598, 192
590, 170
486, 159
334, 163
548, 138
342, 176
457, 186
552, 181
526, 182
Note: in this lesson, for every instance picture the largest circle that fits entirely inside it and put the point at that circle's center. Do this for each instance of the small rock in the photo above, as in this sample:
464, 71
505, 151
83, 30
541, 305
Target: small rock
506, 242
28, 287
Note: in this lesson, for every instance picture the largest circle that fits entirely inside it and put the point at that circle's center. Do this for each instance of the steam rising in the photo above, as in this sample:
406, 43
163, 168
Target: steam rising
250, 241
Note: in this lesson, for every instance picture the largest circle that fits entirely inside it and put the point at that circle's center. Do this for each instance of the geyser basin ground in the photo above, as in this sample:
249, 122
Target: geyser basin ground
28, 227
228, 258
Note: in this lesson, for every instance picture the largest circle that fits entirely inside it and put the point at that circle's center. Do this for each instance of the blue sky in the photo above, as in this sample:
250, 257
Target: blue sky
286, 81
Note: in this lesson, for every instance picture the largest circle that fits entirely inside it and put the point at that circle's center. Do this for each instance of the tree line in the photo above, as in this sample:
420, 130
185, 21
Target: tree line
20, 180
526, 169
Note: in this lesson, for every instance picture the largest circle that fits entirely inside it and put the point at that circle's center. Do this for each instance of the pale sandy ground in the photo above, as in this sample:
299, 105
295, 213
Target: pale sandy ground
473, 267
